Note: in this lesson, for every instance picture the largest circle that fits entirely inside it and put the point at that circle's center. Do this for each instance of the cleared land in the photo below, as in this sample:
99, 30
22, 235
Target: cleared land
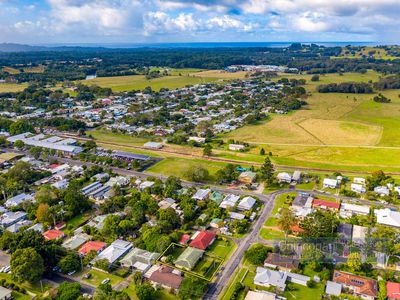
376, 52
139, 82
12, 87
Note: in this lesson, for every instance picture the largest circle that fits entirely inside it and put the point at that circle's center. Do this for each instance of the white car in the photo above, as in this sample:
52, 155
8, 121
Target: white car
107, 280
2, 269
7, 269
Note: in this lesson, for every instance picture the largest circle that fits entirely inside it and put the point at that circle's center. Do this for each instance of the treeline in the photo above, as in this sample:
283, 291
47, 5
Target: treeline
346, 87
60, 123
388, 83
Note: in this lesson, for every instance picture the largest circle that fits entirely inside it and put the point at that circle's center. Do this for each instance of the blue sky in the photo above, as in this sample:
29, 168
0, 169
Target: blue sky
143, 21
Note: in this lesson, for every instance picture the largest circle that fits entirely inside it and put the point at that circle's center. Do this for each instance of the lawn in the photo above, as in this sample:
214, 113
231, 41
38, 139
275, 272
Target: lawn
160, 294
222, 248
237, 277
98, 276
34, 288
20, 296
123, 139
301, 292
77, 221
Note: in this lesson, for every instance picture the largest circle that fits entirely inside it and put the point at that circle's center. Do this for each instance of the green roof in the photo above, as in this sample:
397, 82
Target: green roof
189, 258
216, 197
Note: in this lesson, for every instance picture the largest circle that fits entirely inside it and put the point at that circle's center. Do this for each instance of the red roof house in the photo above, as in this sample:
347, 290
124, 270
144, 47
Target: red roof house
92, 246
184, 239
326, 204
362, 287
393, 290
53, 234
203, 240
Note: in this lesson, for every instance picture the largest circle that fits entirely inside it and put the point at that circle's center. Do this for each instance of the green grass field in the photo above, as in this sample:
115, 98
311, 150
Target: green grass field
98, 276
222, 248
12, 87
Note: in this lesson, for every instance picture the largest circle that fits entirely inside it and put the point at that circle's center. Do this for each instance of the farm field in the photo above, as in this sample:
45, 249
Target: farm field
139, 82
12, 87
379, 53
334, 130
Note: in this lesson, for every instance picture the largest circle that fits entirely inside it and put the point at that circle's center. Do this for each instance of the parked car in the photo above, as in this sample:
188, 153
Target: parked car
71, 273
87, 276
107, 280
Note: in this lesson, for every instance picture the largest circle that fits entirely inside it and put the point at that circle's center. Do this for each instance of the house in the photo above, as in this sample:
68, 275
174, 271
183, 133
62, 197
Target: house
358, 188
236, 216
76, 241
330, 183
359, 234
359, 180
333, 288
14, 228
260, 295
166, 203
61, 184
267, 278
345, 231
347, 210
246, 203
284, 177
153, 145
53, 234
247, 177
301, 200
5, 294
118, 181
382, 191
229, 201
362, 287
387, 217
189, 258
284, 263
165, 276
297, 278
37, 227
95, 246
9, 218
393, 290
296, 176
17, 200
201, 194
216, 197
196, 139
184, 239
202, 240
114, 252
216, 223
139, 259
327, 205
235, 147
146, 184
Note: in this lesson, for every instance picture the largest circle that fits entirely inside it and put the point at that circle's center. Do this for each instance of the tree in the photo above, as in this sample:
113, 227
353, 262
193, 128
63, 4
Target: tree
286, 221
315, 77
70, 262
192, 288
103, 264
26, 265
21, 126
354, 261
68, 291
267, 170
43, 215
256, 254
207, 150
19, 144
311, 255
262, 151
197, 174
145, 292
168, 219
74, 200
319, 224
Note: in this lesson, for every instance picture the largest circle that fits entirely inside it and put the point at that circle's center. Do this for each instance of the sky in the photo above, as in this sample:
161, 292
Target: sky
176, 21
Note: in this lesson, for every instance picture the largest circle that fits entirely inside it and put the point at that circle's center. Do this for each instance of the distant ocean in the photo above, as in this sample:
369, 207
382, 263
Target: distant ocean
212, 45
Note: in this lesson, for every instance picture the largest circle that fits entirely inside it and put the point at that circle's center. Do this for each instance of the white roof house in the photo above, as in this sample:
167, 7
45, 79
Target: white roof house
359, 180
284, 177
153, 145
358, 188
235, 147
330, 183
359, 234
382, 190
62, 184
347, 210
266, 277
229, 201
387, 217
17, 200
146, 184
201, 194
115, 251
236, 216
197, 139
9, 218
246, 203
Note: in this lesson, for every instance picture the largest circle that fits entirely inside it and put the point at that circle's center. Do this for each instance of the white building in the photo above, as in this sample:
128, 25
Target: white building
387, 217
246, 203
330, 183
235, 147
229, 201
358, 188
114, 252
201, 194
198, 140
359, 180
382, 191
284, 177
153, 145
347, 210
